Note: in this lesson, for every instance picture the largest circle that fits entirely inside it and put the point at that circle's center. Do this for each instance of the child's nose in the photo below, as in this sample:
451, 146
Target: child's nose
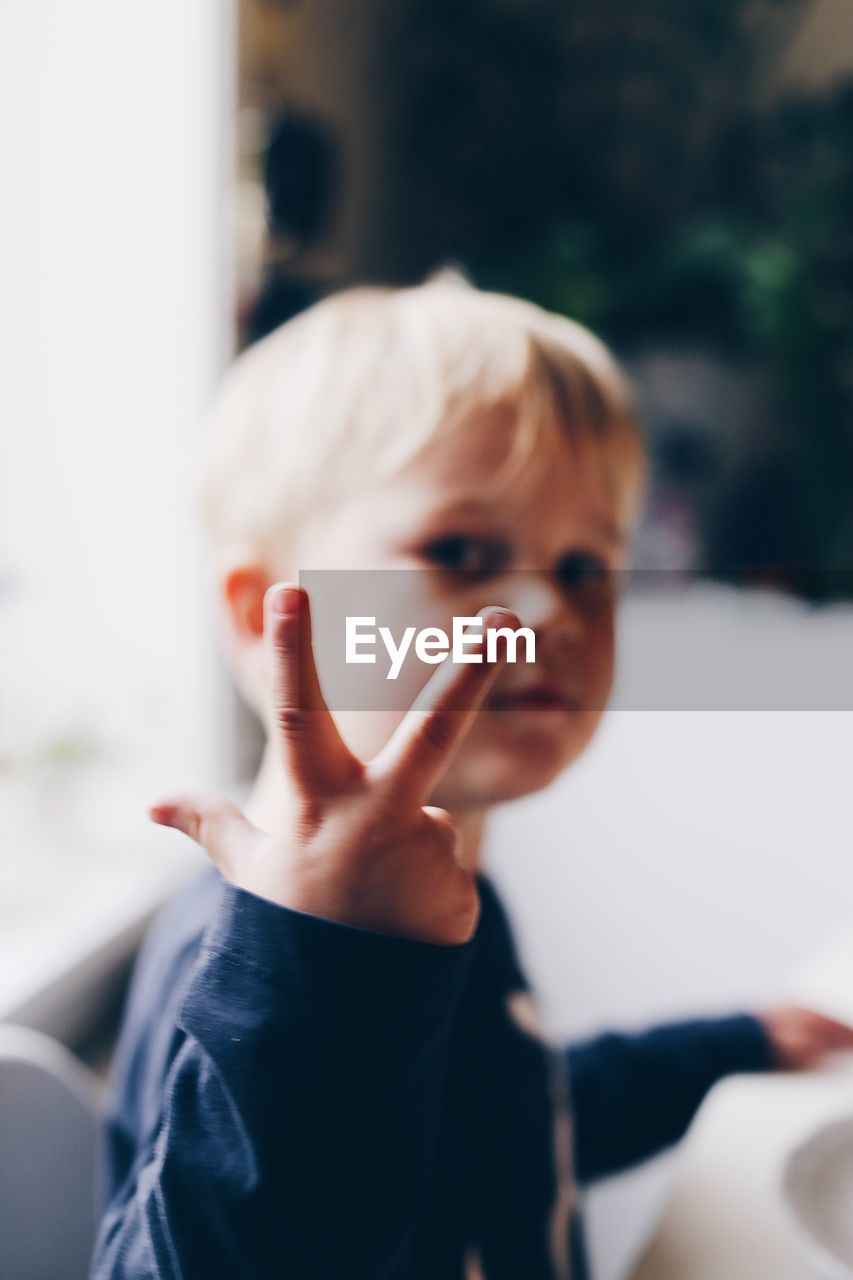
540, 604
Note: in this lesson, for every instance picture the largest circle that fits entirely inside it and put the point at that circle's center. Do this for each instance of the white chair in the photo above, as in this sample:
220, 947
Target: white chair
48, 1133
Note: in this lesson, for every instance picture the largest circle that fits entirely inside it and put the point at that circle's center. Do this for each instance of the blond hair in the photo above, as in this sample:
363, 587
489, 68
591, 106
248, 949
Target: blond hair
357, 386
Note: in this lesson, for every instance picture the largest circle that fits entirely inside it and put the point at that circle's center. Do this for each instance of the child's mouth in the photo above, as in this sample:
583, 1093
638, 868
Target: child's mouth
537, 697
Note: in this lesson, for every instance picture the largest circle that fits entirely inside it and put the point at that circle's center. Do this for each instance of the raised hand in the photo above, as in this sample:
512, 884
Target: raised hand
362, 847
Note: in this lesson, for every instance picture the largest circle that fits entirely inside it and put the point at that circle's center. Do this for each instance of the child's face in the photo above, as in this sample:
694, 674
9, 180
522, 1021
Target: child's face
563, 528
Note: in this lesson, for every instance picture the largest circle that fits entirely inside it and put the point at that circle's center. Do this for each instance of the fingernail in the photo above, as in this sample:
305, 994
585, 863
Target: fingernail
285, 601
500, 617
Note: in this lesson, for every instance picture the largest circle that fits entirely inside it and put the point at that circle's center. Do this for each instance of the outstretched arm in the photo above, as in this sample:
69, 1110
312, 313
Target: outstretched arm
633, 1095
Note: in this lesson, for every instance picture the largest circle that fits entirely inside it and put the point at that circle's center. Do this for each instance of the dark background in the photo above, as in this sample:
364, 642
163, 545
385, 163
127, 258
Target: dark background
679, 177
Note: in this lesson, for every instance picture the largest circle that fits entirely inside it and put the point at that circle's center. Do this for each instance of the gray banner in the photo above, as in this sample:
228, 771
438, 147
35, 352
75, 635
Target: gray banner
682, 643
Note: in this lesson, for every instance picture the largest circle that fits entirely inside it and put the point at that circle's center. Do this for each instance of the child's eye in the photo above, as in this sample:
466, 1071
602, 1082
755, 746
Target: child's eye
584, 571
467, 553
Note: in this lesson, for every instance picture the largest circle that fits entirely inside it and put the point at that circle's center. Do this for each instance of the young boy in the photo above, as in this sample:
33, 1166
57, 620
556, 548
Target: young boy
327, 1067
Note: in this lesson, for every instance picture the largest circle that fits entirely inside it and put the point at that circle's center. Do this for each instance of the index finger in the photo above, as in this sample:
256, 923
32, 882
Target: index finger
431, 733
314, 754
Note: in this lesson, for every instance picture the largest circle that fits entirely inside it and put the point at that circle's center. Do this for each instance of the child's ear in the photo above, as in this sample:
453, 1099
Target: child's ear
242, 588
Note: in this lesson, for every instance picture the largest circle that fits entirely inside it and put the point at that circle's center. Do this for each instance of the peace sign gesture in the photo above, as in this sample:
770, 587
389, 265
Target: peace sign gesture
362, 847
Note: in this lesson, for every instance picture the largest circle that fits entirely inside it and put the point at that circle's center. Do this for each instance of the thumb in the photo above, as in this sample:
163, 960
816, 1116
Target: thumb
223, 831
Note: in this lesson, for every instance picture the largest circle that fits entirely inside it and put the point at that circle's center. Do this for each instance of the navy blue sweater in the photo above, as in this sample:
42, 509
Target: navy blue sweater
295, 1098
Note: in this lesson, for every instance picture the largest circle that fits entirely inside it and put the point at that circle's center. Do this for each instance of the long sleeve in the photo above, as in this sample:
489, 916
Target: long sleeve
634, 1095
298, 1115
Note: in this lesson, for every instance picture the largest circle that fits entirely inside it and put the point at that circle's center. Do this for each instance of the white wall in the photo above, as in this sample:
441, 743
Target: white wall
693, 858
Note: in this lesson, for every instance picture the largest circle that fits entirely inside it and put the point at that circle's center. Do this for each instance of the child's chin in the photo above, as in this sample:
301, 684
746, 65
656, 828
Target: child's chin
500, 761
537, 748
510, 775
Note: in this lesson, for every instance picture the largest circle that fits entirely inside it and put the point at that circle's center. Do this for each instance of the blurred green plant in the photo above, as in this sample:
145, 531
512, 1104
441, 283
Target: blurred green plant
67, 752
71, 751
762, 273
610, 161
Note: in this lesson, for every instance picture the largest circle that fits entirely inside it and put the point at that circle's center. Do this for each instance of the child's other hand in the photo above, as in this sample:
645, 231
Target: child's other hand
361, 848
801, 1038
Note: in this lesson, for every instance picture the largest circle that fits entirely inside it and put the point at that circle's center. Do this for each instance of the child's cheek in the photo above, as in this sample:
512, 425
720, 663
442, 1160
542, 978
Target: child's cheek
600, 655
